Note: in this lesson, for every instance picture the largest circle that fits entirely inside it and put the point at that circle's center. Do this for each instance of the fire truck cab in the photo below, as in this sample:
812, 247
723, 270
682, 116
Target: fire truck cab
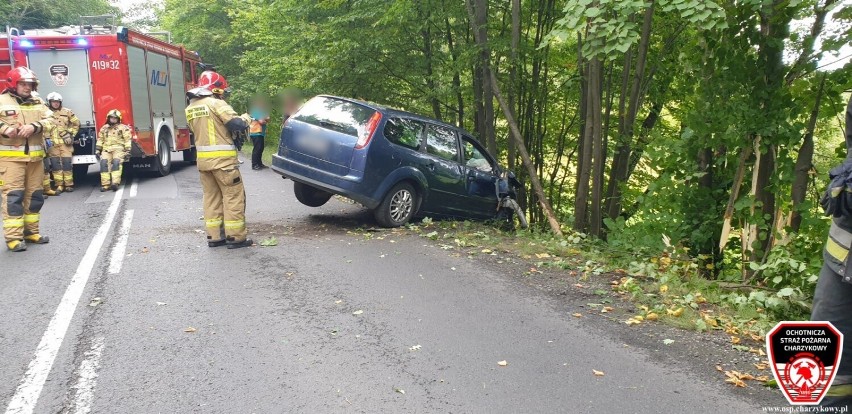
100, 68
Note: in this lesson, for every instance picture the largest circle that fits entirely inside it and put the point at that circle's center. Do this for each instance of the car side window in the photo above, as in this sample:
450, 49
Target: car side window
441, 142
474, 156
405, 132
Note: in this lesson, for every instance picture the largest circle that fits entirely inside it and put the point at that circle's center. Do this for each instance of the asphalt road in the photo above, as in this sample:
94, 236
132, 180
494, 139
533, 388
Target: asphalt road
326, 321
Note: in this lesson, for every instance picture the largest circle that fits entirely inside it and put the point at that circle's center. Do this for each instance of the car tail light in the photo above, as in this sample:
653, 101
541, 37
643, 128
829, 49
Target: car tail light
365, 136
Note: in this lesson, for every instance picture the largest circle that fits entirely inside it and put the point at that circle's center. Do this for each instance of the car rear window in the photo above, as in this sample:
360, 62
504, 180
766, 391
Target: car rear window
335, 114
405, 132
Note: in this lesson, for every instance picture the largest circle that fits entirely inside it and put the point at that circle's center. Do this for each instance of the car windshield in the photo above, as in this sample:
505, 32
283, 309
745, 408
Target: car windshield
335, 114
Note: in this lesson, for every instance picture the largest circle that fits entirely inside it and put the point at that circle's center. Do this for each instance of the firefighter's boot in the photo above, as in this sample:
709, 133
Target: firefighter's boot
37, 239
16, 245
104, 188
238, 244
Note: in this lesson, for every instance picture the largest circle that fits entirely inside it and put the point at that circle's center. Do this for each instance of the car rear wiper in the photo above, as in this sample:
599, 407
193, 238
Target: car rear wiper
336, 125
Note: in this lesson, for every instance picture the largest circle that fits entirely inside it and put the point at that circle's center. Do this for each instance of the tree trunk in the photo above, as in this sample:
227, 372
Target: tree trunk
513, 74
621, 160
595, 106
584, 168
426, 33
804, 161
478, 11
456, 74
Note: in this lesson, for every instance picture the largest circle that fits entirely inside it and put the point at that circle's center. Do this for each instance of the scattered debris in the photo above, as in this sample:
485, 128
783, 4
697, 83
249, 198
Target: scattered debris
502, 363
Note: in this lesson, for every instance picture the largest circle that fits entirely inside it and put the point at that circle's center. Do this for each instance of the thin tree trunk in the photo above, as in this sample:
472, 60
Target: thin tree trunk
426, 33
522, 149
582, 68
456, 73
595, 107
804, 161
513, 73
581, 205
621, 160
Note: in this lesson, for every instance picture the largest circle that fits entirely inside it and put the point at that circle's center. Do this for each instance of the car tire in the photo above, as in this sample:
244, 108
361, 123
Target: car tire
309, 195
398, 207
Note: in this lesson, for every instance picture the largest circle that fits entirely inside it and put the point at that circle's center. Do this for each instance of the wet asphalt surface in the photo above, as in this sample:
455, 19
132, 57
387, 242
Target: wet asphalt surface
329, 320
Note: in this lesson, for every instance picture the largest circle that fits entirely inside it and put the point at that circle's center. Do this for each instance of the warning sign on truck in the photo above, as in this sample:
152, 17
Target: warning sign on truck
59, 74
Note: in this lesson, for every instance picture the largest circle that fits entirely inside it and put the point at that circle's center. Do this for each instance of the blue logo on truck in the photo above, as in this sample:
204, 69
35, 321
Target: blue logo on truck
159, 78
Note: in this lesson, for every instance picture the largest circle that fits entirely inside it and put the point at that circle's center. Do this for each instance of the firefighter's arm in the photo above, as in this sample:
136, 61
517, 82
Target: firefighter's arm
102, 135
229, 117
126, 137
46, 124
74, 127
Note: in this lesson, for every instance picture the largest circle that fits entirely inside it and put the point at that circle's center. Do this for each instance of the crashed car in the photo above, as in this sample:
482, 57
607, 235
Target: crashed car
396, 163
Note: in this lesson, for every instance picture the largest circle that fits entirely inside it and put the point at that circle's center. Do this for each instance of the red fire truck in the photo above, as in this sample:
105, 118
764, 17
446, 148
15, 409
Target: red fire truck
100, 68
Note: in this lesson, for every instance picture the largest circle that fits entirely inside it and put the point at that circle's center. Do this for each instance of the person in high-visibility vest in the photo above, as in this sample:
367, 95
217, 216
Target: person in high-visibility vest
219, 133
257, 132
25, 125
113, 148
66, 127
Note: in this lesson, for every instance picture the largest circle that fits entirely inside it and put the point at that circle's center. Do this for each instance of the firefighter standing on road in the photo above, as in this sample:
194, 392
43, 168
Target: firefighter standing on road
24, 124
113, 149
219, 132
66, 126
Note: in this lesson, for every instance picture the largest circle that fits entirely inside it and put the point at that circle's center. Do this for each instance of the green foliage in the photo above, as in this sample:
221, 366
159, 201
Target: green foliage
34, 14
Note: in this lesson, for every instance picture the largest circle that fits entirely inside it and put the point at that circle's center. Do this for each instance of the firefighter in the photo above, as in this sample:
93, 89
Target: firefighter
25, 122
113, 149
65, 129
219, 133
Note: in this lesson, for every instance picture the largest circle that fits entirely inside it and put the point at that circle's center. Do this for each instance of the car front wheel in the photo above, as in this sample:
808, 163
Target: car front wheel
398, 206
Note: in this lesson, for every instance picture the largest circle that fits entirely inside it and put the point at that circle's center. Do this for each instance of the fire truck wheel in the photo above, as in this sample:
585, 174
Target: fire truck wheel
164, 154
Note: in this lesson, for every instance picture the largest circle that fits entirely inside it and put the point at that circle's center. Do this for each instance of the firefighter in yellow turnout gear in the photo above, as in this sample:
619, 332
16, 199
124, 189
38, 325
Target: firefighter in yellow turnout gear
66, 125
217, 129
113, 149
25, 122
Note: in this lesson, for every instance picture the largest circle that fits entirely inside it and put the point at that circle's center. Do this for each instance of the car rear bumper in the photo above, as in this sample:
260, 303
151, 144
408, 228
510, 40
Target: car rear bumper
348, 186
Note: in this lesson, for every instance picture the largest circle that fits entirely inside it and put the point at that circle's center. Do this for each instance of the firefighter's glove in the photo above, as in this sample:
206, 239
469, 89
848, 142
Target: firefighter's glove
98, 153
837, 199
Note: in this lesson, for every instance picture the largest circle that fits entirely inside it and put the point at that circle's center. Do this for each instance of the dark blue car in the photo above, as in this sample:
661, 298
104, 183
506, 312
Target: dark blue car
396, 163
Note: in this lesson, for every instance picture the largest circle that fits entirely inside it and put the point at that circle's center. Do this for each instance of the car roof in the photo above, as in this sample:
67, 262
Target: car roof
398, 112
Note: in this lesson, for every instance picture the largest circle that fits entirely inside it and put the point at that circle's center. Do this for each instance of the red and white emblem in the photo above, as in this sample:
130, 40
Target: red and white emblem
804, 356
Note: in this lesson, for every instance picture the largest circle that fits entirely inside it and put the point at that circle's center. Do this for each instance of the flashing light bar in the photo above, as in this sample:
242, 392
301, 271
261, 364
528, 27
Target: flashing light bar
26, 43
82, 42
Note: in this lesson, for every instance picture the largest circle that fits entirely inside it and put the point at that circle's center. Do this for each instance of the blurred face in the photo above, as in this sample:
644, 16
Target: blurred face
25, 89
55, 104
112, 120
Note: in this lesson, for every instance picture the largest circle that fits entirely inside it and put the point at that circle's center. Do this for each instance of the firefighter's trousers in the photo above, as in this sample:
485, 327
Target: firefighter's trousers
59, 165
111, 166
22, 198
224, 205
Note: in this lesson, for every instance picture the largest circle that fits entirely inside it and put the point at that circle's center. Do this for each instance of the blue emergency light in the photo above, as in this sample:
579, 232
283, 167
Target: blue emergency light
82, 42
26, 43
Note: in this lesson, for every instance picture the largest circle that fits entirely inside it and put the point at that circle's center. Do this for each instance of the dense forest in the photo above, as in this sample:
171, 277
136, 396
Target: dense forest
705, 128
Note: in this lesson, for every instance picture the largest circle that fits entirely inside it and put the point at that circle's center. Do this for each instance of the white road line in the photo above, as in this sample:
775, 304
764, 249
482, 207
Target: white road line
117, 255
88, 378
134, 186
29, 389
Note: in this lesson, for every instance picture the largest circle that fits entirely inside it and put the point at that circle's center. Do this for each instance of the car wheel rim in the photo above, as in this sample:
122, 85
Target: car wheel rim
400, 205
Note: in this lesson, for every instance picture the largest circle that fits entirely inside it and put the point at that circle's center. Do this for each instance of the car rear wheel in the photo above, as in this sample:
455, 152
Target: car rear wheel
310, 196
164, 154
398, 207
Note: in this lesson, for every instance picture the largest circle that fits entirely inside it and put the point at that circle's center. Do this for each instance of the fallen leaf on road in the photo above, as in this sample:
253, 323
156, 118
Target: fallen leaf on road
190, 330
664, 288
577, 285
338, 302
486, 251
606, 309
736, 381
675, 312
161, 303
735, 339
358, 312
415, 348
668, 341
502, 363
401, 391
762, 378
542, 255
578, 315
760, 366
145, 250
269, 242
95, 302
652, 316
633, 321
719, 368
598, 373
